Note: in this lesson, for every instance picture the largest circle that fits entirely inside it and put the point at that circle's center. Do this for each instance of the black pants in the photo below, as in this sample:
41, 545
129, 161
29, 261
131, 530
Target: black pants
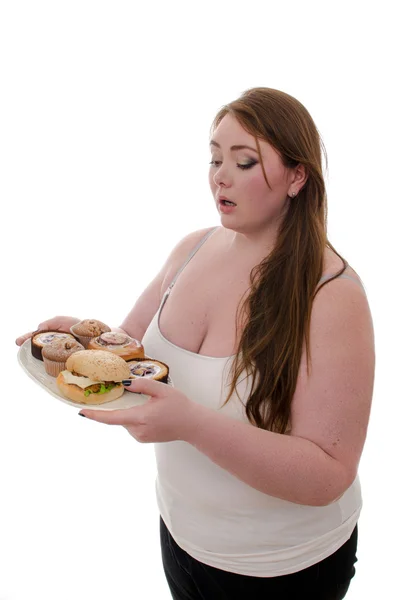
189, 579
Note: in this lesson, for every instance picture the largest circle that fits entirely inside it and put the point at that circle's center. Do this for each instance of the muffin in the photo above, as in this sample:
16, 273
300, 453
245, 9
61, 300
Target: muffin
149, 368
87, 329
42, 338
119, 343
56, 354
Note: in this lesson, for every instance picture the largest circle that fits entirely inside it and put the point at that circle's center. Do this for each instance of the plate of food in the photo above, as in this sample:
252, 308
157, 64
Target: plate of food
83, 376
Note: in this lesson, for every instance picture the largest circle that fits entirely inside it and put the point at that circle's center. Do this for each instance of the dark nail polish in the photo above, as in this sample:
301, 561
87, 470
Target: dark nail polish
81, 415
126, 381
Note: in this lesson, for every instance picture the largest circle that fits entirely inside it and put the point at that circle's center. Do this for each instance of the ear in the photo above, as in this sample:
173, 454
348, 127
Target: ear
298, 180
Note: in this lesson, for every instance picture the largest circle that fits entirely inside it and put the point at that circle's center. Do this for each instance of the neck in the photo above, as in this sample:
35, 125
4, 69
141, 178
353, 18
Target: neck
252, 245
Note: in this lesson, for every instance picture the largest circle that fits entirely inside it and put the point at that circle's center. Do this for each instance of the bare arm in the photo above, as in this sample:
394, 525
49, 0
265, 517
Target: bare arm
318, 461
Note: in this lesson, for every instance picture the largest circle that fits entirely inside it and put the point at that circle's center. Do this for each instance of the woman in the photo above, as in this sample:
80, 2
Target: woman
268, 336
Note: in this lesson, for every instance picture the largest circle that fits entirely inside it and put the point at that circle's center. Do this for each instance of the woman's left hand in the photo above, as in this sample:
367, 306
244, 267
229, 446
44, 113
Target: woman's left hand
165, 417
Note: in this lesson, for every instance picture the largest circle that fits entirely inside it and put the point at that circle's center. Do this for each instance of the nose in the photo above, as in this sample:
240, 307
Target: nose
221, 177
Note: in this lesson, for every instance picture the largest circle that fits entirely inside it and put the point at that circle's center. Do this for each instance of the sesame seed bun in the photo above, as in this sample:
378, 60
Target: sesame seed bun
98, 365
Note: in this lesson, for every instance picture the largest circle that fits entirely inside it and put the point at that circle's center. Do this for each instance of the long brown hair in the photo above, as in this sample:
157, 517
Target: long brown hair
278, 306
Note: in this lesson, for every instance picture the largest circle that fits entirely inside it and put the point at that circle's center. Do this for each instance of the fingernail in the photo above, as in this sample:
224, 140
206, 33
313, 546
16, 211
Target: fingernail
81, 415
126, 382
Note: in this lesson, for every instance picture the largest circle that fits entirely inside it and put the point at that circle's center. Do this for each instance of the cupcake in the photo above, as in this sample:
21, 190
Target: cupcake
42, 338
56, 354
88, 329
149, 368
119, 343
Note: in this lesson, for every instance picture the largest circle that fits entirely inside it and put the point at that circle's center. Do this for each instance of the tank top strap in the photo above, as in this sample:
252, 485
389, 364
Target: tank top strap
342, 276
189, 258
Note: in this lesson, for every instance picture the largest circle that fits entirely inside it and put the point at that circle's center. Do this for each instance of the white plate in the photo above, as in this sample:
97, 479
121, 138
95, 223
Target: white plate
34, 368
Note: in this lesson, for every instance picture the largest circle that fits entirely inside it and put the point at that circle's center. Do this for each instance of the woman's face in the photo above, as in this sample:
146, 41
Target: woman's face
236, 173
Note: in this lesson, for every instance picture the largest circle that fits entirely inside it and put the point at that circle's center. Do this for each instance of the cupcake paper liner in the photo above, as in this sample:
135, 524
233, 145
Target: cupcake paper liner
53, 367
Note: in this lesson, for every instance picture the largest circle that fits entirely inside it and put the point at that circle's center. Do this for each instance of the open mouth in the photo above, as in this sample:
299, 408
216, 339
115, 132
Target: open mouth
227, 203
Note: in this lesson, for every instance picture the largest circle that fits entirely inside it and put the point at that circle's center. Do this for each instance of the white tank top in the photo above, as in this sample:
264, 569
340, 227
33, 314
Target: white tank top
213, 516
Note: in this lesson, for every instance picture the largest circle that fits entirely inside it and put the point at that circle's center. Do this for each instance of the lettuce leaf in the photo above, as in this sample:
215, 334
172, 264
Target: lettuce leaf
103, 390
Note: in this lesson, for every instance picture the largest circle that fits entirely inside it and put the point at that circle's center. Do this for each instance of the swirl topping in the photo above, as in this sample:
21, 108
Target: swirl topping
144, 369
47, 338
114, 338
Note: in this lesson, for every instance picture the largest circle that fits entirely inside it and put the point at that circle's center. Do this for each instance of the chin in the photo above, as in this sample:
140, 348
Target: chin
227, 223
230, 227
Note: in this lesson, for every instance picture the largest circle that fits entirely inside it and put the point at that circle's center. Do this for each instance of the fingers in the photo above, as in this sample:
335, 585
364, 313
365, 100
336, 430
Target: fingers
143, 385
42, 327
52, 324
19, 341
123, 416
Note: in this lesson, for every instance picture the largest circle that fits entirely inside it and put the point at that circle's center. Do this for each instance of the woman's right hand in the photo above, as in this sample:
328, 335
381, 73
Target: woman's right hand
55, 324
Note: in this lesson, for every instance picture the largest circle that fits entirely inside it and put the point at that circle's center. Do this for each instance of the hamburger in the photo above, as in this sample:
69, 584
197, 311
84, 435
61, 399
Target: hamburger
93, 377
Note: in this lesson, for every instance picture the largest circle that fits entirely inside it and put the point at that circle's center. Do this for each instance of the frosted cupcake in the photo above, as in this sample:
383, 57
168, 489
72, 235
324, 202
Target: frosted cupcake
149, 369
56, 354
40, 339
88, 329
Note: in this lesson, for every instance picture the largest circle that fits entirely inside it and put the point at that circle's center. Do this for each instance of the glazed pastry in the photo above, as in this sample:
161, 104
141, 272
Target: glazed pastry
150, 368
42, 338
56, 353
119, 343
87, 329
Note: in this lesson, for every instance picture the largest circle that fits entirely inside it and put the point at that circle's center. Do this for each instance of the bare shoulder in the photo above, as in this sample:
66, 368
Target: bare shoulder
180, 253
339, 293
333, 264
340, 308
189, 241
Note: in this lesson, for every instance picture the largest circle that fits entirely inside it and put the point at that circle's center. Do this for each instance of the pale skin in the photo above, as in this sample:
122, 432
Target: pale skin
318, 460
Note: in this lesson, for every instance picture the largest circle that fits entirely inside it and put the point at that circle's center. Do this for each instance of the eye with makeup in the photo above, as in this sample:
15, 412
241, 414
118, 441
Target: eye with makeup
244, 166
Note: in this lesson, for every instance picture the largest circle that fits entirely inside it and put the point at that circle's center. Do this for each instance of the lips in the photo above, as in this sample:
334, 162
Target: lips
226, 201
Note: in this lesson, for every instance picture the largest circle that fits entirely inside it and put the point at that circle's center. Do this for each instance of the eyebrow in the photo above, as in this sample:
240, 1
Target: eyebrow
235, 147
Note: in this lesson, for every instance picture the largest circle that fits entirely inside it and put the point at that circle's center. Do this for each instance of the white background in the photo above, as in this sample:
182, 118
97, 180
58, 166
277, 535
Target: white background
105, 116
